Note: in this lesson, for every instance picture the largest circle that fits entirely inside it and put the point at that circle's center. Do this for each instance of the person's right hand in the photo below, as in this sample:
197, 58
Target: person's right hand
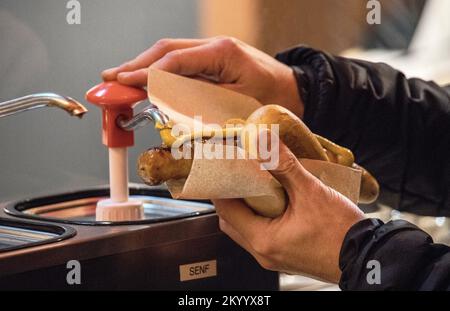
308, 237
226, 61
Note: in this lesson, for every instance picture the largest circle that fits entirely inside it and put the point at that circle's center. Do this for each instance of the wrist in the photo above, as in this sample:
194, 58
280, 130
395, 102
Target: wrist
336, 240
290, 95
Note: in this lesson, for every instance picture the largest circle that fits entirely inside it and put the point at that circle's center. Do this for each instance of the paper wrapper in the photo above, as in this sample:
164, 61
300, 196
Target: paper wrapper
183, 98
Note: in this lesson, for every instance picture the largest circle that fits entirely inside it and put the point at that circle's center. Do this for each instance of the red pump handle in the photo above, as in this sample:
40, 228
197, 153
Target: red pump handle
116, 100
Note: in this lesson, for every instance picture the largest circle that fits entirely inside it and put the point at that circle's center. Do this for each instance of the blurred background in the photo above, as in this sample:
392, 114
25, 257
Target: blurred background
45, 151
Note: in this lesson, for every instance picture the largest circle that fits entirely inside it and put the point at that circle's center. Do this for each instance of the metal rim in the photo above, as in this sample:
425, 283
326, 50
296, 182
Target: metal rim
63, 232
17, 208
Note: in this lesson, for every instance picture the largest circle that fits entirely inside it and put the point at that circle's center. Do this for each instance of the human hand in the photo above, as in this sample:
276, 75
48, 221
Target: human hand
308, 237
225, 61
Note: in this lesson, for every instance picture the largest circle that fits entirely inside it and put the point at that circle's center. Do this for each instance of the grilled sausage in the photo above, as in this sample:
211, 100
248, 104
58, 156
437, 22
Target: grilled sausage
157, 165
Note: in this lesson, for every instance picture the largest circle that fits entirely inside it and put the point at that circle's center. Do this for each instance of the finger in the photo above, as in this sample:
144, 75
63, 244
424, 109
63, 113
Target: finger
234, 235
285, 168
134, 78
206, 60
110, 74
140, 77
241, 218
237, 237
151, 55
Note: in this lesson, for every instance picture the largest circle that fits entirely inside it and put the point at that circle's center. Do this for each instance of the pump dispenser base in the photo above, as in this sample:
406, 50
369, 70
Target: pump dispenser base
117, 100
108, 210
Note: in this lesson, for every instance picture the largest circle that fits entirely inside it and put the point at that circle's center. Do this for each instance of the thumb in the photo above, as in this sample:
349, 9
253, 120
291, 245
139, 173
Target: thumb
294, 178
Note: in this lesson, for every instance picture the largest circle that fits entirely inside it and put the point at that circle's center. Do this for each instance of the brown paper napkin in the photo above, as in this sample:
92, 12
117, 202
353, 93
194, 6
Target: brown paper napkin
182, 99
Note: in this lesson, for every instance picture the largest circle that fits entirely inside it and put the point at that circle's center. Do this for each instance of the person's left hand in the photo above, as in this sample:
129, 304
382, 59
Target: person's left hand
307, 238
224, 61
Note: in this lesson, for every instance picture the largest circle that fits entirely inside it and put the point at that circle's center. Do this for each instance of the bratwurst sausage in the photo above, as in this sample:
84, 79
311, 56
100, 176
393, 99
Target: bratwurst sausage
157, 164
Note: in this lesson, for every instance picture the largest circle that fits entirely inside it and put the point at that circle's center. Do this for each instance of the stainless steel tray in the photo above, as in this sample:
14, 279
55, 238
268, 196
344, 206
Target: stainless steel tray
79, 207
18, 234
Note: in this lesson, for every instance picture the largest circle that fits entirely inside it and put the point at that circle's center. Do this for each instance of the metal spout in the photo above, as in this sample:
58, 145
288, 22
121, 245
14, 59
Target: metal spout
29, 102
150, 114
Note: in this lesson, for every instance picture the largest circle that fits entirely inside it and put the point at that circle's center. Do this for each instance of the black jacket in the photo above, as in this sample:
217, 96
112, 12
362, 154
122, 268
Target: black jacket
399, 129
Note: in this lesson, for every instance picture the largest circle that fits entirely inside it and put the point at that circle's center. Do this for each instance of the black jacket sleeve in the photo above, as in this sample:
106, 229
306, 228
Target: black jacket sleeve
398, 128
406, 257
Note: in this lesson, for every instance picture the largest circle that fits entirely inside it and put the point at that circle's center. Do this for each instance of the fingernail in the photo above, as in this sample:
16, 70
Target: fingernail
109, 71
123, 75
109, 74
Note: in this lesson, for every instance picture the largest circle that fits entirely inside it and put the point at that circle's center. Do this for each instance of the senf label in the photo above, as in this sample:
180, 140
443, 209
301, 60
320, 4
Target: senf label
198, 270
